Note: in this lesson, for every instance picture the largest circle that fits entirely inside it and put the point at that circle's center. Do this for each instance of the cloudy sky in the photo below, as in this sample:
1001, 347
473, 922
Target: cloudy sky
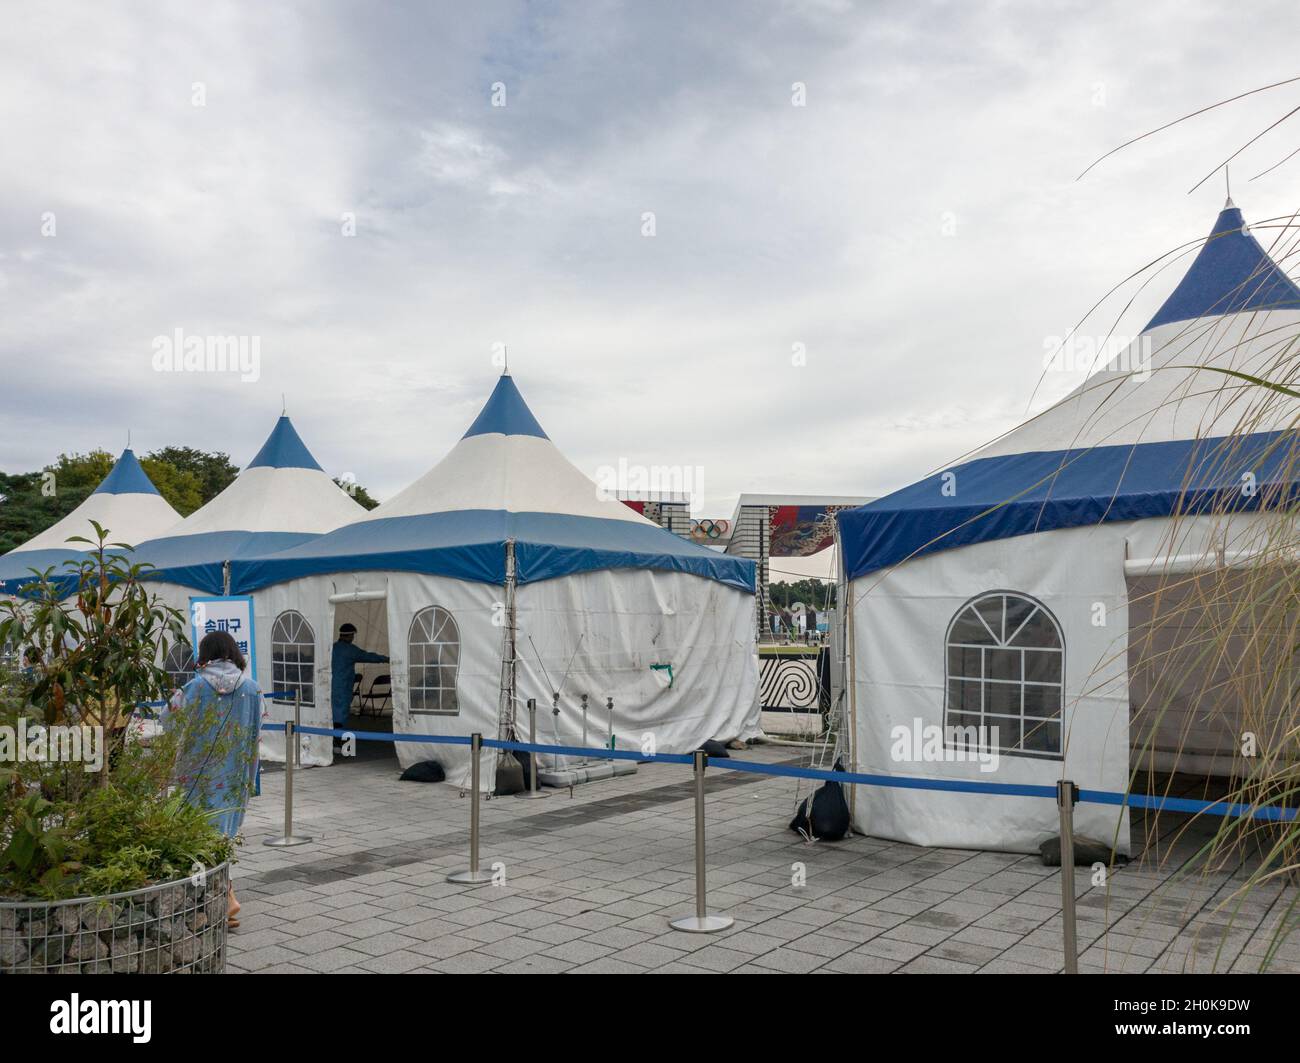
915, 229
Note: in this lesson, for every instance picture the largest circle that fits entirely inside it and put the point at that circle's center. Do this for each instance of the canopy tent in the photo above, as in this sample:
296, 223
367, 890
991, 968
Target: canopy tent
503, 574
1004, 591
282, 498
126, 504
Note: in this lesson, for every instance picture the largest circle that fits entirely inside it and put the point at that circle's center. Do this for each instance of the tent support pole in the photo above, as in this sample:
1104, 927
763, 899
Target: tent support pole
845, 590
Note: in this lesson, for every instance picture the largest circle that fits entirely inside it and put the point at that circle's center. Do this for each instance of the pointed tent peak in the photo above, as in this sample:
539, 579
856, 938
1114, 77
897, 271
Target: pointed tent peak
506, 412
284, 449
1232, 273
127, 477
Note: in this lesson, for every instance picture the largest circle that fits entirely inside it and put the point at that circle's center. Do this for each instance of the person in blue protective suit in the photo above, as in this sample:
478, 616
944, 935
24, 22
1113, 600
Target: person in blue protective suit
343, 669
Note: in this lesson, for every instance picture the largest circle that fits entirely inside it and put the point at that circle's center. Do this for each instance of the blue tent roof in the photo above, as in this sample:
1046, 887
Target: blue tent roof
284, 449
197, 561
506, 412
17, 568
126, 478
1019, 494
470, 545
1231, 273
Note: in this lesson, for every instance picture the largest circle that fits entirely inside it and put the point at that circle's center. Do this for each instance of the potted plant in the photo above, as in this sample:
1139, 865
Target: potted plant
105, 864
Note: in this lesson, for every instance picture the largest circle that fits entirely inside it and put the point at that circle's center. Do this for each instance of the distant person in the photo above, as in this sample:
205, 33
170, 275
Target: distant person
31, 661
787, 622
812, 622
343, 670
218, 716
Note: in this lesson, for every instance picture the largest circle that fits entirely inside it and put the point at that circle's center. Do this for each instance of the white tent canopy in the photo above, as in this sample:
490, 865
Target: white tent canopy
996, 593
503, 574
126, 504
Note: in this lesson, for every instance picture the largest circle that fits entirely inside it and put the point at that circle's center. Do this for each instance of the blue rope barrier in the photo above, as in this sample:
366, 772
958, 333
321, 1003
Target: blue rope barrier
377, 736
903, 782
1275, 813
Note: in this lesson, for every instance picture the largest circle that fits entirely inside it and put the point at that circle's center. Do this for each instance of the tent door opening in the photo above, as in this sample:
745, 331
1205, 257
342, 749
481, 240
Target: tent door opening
369, 686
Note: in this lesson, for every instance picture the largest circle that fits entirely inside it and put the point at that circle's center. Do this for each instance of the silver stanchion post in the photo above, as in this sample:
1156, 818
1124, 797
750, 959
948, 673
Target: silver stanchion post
701, 922
473, 877
532, 791
290, 755
297, 727
609, 704
1067, 794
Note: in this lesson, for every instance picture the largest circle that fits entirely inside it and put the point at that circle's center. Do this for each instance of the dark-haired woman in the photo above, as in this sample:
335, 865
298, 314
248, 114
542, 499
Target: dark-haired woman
218, 717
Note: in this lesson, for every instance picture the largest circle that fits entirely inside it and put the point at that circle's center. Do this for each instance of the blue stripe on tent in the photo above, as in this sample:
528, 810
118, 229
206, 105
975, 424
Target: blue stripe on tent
1232, 273
126, 478
470, 545
507, 413
16, 567
284, 449
196, 561
1019, 494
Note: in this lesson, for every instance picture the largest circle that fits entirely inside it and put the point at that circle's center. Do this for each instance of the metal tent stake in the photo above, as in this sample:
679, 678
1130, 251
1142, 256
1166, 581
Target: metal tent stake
701, 922
531, 791
290, 755
1066, 796
473, 877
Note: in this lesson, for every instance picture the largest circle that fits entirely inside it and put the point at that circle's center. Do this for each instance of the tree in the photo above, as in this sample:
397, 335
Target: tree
182, 488
358, 493
214, 471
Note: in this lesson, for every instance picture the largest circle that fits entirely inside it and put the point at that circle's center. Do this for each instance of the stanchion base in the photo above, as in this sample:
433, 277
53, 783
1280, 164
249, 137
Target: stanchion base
702, 924
288, 840
470, 878
532, 795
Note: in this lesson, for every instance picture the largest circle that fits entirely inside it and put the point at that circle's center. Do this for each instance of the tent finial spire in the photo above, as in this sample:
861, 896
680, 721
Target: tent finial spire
505, 351
1227, 181
128, 439
284, 405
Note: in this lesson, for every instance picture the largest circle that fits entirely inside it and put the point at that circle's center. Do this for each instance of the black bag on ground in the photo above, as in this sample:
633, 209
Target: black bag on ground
424, 771
715, 749
1087, 851
828, 820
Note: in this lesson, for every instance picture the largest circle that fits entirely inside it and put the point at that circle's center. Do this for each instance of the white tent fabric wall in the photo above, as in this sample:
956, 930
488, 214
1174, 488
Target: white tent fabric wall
609, 617
1044, 515
901, 620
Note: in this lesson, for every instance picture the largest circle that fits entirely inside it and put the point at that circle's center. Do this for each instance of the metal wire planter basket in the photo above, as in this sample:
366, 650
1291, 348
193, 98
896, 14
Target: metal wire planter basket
171, 928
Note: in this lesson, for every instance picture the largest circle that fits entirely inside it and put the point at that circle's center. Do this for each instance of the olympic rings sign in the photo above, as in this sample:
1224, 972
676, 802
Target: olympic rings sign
705, 528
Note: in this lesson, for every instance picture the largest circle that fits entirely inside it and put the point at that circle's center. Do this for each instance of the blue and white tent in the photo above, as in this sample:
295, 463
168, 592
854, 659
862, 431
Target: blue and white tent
282, 498
126, 504
1014, 589
503, 573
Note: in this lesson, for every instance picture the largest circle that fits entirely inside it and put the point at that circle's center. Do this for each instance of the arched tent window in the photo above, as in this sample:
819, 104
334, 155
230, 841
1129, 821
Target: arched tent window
433, 653
1006, 666
293, 657
179, 663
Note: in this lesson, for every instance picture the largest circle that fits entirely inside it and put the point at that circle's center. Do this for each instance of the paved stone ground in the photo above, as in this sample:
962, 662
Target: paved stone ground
592, 880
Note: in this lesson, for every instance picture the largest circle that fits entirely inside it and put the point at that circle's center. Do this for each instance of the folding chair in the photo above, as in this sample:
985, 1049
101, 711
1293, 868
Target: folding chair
381, 691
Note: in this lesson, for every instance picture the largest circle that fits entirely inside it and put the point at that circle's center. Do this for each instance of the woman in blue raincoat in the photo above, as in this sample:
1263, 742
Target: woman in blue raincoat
218, 718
